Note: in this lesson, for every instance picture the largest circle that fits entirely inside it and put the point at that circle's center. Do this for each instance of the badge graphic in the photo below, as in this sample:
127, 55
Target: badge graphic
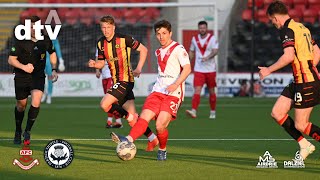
26, 158
58, 154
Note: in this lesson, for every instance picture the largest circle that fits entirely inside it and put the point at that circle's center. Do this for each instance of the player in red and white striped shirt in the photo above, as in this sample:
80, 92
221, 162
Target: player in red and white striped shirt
205, 47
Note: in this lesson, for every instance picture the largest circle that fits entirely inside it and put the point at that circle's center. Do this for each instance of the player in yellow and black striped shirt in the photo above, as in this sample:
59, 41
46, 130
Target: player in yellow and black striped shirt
303, 54
116, 50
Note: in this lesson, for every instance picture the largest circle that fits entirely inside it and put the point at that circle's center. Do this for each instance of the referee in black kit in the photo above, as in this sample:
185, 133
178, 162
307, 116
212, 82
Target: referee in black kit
28, 57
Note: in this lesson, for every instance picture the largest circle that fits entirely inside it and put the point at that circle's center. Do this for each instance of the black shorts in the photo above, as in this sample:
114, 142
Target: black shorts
304, 95
122, 91
24, 87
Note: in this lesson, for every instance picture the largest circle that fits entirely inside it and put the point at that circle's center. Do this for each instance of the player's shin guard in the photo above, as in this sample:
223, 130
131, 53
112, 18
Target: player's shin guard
32, 116
213, 101
163, 139
288, 124
118, 111
19, 118
313, 131
138, 129
195, 101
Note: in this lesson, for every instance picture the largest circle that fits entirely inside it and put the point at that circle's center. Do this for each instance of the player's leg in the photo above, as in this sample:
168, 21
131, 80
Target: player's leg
162, 123
22, 91
211, 84
152, 138
112, 101
107, 84
33, 112
198, 82
303, 125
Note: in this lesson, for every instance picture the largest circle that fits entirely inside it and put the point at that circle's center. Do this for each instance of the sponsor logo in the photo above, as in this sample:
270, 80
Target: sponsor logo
267, 161
58, 154
25, 162
297, 162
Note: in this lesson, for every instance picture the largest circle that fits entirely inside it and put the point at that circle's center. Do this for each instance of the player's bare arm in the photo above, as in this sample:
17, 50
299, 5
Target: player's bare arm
191, 55
316, 53
183, 76
98, 65
212, 54
53, 61
285, 59
13, 61
143, 55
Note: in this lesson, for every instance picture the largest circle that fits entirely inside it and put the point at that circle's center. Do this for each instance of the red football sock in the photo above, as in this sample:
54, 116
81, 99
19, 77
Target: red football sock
138, 129
213, 101
163, 139
195, 101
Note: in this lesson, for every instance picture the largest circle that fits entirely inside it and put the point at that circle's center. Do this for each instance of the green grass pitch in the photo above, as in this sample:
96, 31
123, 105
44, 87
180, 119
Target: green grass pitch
225, 148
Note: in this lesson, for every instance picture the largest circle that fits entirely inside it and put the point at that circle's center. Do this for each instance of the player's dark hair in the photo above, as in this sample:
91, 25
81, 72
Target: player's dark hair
162, 24
277, 7
107, 19
202, 23
34, 18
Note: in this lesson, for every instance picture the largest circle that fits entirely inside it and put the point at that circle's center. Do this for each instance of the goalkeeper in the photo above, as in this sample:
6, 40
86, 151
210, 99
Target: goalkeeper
48, 71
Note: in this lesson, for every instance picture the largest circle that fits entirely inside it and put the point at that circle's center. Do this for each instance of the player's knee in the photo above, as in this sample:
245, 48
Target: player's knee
276, 115
21, 106
104, 106
160, 128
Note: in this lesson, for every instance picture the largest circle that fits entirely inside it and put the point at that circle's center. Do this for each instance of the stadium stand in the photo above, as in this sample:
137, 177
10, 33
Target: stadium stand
267, 43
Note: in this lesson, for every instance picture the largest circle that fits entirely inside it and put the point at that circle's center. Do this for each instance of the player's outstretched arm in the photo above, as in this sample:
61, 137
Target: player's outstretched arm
285, 59
98, 65
13, 61
143, 56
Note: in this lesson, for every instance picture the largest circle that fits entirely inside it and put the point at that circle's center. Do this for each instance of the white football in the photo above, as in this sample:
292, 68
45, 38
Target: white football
126, 151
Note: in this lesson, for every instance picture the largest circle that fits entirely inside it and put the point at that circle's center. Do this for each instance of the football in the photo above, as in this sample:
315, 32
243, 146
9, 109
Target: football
126, 151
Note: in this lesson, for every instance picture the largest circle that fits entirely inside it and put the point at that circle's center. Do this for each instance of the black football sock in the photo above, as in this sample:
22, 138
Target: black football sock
313, 131
32, 115
288, 124
118, 111
19, 118
148, 132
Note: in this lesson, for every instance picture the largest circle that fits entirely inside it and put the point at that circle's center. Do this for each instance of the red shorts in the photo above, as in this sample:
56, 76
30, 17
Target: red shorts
157, 102
201, 78
106, 84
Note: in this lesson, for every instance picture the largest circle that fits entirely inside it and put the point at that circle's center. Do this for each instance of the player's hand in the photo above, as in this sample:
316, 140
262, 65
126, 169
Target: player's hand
171, 88
136, 72
98, 73
91, 63
54, 76
28, 68
203, 59
61, 66
264, 72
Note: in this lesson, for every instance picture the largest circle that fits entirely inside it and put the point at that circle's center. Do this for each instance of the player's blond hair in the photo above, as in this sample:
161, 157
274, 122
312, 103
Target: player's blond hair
107, 19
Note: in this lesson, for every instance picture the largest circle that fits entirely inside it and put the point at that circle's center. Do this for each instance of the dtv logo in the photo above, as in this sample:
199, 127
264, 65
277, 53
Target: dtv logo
53, 15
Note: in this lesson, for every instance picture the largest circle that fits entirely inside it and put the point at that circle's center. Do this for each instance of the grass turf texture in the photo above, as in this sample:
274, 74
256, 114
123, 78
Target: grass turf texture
225, 148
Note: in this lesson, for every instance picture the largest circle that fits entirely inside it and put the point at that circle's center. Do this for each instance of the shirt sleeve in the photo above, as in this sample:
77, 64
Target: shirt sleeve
183, 56
100, 53
214, 43
50, 48
132, 43
192, 47
57, 48
15, 49
287, 37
